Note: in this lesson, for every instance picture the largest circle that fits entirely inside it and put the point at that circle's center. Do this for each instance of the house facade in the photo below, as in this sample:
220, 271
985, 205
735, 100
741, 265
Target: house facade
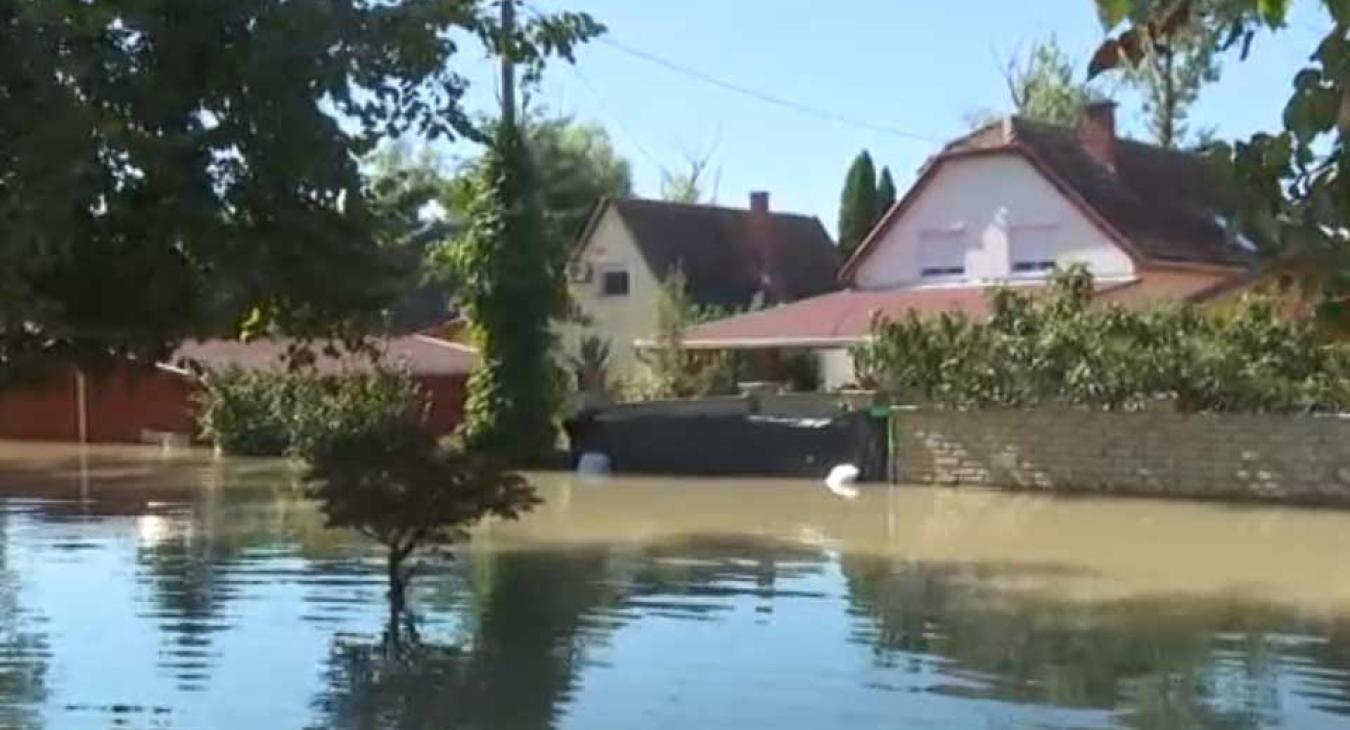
732, 259
1005, 206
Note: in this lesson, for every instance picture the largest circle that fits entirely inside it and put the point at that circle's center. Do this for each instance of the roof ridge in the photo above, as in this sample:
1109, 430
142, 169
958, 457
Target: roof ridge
710, 207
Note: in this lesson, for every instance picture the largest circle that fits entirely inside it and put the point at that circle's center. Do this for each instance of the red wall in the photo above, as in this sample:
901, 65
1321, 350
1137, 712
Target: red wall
446, 393
121, 404
126, 401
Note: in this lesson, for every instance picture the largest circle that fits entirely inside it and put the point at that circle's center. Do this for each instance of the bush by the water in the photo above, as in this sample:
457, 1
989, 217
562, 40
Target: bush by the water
283, 412
1057, 346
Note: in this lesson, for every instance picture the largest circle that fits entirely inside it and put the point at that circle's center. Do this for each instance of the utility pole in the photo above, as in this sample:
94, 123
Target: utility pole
506, 49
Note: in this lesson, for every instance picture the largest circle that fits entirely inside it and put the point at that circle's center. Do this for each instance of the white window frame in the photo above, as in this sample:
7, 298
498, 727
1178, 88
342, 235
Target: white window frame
952, 237
1033, 266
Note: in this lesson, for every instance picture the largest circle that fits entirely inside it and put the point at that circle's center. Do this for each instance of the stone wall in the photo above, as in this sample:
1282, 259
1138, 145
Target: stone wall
1299, 459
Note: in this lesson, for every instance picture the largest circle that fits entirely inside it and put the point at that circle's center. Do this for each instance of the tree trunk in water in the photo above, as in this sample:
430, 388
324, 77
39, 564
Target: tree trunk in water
397, 592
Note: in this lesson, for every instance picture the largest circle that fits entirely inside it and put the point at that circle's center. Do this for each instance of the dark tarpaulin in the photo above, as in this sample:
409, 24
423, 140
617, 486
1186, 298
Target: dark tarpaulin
732, 445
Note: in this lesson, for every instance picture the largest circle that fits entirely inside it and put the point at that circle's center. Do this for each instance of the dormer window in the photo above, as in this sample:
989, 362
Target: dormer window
942, 254
1032, 249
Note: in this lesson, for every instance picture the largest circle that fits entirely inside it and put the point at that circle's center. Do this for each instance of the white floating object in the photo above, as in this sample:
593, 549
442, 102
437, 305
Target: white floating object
593, 464
841, 479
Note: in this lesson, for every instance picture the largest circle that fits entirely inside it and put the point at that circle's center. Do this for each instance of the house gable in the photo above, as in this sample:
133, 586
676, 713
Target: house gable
981, 218
610, 248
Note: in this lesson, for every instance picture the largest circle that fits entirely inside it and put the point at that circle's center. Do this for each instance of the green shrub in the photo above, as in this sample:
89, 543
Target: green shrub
1058, 347
275, 413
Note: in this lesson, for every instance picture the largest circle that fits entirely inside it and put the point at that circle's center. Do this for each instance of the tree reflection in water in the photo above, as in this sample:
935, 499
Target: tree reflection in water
528, 632
23, 653
1170, 662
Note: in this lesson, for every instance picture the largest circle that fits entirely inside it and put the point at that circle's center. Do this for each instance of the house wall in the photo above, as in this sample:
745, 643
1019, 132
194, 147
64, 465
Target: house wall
981, 200
1288, 458
620, 320
836, 368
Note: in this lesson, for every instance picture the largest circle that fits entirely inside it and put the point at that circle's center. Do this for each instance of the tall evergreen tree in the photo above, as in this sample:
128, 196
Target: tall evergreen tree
885, 193
858, 204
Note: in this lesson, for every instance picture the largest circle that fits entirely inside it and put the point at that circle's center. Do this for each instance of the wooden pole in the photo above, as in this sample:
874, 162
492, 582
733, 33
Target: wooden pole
507, 52
81, 406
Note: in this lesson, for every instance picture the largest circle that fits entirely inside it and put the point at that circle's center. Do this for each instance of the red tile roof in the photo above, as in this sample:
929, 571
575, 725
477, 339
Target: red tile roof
424, 356
839, 318
844, 318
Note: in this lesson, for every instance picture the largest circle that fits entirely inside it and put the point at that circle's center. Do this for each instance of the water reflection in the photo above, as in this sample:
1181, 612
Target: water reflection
217, 599
23, 650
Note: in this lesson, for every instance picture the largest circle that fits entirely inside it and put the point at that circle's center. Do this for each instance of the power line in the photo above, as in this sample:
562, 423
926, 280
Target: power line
806, 109
617, 121
801, 108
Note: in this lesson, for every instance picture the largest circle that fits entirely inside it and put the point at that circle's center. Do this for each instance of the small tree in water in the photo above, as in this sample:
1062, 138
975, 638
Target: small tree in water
393, 483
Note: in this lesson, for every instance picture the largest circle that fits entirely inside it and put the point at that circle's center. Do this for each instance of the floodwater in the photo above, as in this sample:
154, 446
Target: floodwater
139, 590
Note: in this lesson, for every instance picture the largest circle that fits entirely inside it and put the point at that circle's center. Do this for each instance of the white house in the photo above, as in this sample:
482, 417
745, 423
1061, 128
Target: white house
731, 258
1007, 204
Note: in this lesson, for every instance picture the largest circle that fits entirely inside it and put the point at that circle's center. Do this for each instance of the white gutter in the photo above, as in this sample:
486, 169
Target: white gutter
761, 343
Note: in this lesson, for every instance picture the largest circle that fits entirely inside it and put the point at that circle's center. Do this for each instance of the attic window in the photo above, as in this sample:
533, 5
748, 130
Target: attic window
942, 254
614, 283
1032, 249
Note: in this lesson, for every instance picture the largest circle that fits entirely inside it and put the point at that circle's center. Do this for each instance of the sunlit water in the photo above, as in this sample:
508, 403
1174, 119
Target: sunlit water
150, 592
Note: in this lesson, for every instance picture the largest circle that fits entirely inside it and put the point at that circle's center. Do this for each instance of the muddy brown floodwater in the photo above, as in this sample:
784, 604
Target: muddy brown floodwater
141, 589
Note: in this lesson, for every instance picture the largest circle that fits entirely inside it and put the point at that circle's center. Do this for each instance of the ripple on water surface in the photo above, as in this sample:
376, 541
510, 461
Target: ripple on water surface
184, 593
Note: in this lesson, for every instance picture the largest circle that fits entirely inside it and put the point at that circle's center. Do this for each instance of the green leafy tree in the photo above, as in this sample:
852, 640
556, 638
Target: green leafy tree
1042, 85
391, 481
167, 170
690, 185
514, 289
1171, 76
576, 166
1061, 348
886, 192
676, 372
858, 203
1295, 187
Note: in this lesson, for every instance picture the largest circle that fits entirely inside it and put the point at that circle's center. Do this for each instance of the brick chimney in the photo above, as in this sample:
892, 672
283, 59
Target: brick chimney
762, 257
759, 202
1097, 132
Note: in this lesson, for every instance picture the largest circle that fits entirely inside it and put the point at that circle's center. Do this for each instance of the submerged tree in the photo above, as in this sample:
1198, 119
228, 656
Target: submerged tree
394, 484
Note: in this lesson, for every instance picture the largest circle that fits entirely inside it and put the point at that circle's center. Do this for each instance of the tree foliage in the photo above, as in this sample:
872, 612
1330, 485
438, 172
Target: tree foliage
285, 412
1042, 86
514, 289
576, 166
675, 371
858, 203
1170, 76
391, 481
886, 193
690, 185
1295, 186
169, 168
1057, 347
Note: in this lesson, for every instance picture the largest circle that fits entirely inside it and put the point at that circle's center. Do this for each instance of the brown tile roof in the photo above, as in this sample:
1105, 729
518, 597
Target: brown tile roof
1166, 203
728, 254
424, 356
844, 317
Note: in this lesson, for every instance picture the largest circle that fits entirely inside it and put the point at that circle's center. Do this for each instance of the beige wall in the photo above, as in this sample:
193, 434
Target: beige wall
984, 202
1297, 459
620, 320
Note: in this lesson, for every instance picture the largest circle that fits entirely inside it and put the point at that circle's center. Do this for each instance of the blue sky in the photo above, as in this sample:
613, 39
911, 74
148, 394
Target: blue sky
914, 66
